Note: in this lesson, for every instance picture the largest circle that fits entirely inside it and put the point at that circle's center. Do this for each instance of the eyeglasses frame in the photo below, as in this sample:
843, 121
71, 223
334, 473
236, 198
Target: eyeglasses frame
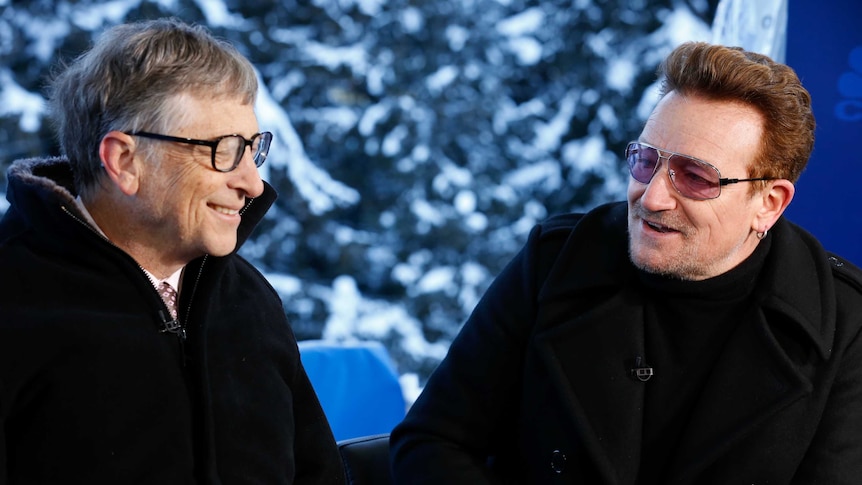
212, 144
721, 181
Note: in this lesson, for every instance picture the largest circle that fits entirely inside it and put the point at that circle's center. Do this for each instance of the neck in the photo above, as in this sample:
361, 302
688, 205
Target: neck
114, 219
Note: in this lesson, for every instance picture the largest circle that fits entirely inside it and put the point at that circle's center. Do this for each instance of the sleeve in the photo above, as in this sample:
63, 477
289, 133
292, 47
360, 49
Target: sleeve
465, 414
835, 454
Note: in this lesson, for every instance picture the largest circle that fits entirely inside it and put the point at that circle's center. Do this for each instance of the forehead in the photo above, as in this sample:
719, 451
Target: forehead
198, 116
726, 134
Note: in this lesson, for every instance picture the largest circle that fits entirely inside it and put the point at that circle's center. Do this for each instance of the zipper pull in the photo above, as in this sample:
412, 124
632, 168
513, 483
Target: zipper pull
170, 325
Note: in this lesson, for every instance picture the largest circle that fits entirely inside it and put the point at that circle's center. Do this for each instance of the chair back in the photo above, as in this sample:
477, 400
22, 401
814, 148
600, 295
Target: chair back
366, 460
356, 384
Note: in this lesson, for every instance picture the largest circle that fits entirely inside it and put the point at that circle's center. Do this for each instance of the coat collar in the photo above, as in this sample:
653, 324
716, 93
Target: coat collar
590, 329
595, 257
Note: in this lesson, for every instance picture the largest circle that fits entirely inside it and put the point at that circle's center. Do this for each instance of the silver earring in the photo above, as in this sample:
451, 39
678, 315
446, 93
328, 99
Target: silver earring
761, 235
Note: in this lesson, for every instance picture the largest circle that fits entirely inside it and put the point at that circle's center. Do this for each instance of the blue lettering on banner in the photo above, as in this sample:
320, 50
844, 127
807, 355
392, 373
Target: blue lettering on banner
850, 86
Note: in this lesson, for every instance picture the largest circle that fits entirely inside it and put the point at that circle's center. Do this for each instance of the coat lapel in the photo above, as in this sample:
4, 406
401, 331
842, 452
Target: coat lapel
752, 381
589, 331
588, 359
755, 377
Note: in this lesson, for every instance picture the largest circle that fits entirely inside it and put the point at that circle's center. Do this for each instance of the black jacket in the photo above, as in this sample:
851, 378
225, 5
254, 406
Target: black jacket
536, 388
91, 390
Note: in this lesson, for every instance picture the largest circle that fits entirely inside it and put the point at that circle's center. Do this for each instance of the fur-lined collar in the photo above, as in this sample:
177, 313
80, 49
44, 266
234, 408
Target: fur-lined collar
52, 174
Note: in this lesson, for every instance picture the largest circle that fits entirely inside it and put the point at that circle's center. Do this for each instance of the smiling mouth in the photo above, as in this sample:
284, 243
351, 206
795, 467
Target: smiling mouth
225, 210
658, 227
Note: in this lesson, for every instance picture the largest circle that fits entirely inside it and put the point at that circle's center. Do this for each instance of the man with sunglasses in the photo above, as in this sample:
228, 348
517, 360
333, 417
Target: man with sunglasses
136, 346
689, 336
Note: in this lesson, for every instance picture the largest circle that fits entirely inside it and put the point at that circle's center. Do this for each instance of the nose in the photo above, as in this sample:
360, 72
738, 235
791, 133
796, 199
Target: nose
246, 177
659, 193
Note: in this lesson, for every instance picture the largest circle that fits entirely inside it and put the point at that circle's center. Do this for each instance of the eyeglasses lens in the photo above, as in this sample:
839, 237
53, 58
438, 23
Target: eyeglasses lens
228, 152
692, 178
642, 162
231, 149
260, 148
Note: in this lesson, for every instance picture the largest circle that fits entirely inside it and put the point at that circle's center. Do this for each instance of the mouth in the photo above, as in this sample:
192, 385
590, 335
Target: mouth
658, 227
224, 210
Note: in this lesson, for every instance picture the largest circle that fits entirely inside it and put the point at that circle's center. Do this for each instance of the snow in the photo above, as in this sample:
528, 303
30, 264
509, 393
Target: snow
523, 23
317, 187
16, 101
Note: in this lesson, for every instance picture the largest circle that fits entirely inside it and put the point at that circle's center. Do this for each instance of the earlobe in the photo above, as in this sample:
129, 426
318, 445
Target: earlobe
775, 200
117, 152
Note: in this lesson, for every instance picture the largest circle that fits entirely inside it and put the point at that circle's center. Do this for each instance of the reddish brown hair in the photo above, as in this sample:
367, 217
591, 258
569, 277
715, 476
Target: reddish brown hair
722, 73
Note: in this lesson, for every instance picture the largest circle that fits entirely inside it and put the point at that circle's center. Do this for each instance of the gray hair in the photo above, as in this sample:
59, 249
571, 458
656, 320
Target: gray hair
127, 80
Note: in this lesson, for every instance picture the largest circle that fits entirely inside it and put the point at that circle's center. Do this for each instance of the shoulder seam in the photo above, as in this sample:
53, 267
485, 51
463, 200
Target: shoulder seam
846, 271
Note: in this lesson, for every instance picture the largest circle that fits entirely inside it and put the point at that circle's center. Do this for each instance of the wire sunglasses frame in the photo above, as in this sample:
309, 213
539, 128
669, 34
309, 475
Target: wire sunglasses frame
691, 177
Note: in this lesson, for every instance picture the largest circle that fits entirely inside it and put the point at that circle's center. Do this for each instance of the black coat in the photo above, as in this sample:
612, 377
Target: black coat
536, 388
91, 391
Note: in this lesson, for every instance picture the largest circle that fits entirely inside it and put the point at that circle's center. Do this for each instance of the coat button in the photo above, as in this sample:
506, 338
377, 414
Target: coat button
558, 461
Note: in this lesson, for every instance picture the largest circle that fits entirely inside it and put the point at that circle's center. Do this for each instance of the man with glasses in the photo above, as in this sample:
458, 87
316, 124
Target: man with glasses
136, 346
692, 335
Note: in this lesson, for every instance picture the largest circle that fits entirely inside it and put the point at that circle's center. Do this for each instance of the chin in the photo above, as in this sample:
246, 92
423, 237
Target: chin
660, 267
222, 248
221, 253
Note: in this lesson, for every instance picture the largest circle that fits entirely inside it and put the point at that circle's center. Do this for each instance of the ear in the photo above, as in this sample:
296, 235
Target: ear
117, 152
774, 199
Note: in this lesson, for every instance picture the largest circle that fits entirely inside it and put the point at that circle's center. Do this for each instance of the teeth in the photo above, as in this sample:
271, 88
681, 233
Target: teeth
225, 210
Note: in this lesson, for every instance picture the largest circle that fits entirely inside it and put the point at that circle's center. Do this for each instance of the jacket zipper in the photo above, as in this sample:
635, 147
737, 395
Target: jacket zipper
170, 325
195, 286
173, 326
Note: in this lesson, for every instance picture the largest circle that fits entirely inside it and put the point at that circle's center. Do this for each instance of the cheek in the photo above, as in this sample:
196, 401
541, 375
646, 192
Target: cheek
181, 176
634, 191
186, 185
181, 198
723, 224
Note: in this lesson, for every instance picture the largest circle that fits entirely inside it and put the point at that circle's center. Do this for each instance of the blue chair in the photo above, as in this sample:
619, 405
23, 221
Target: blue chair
357, 386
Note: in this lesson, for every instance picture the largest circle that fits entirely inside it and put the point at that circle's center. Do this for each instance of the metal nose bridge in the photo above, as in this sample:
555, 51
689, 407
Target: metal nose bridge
670, 173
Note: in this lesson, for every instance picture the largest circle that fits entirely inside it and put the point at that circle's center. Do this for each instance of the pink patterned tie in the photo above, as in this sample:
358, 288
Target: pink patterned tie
169, 295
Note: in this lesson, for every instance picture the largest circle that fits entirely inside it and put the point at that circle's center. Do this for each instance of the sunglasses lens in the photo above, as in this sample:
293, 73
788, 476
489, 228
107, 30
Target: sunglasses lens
691, 177
694, 179
642, 161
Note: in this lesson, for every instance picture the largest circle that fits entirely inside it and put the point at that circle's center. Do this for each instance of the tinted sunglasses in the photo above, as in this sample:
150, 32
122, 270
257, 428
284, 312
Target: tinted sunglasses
692, 178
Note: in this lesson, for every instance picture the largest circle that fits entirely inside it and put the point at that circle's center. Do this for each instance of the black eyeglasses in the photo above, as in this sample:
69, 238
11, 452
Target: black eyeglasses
227, 150
691, 177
